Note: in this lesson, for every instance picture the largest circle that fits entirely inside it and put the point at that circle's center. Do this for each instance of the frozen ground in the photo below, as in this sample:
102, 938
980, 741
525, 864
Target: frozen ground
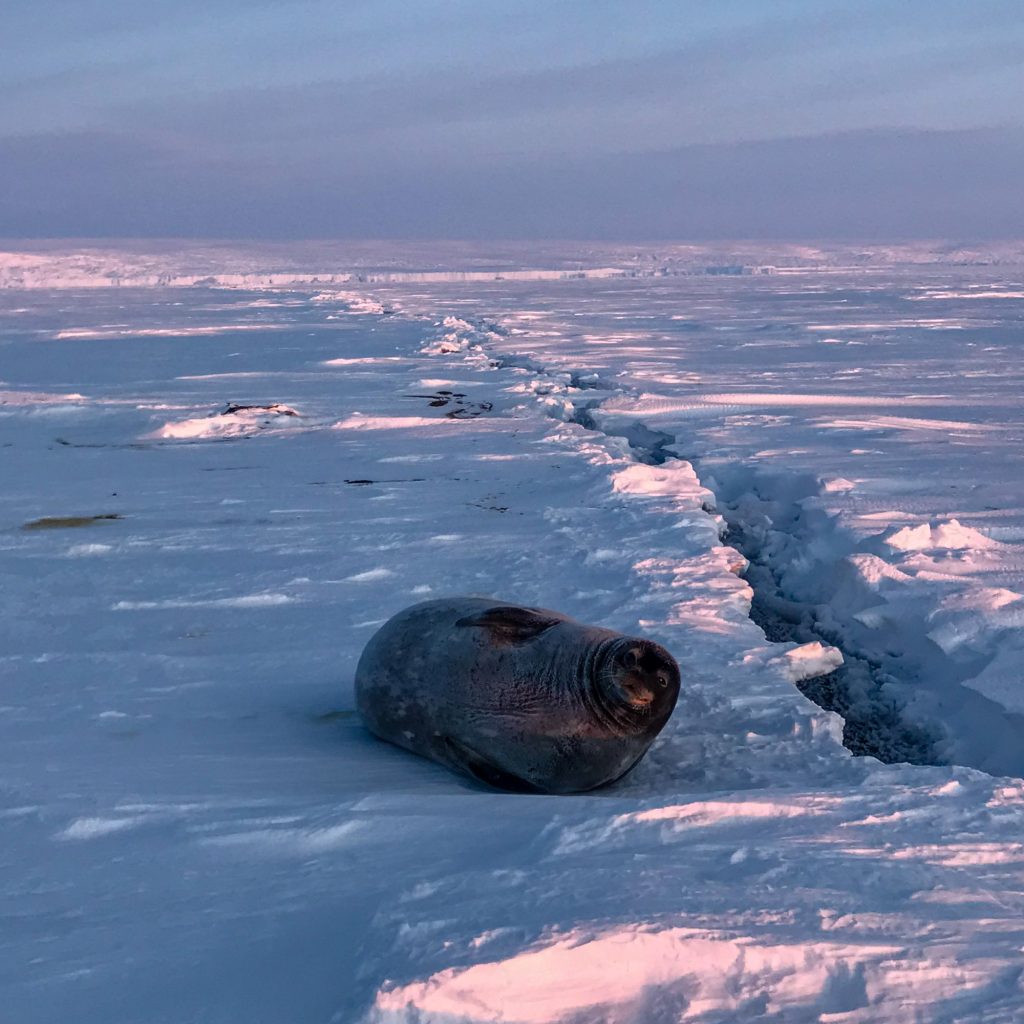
197, 828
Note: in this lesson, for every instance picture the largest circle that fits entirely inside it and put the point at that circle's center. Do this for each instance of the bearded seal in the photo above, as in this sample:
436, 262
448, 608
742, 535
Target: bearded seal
523, 699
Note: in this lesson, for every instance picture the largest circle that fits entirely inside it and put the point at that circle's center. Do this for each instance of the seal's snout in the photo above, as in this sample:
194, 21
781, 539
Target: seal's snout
645, 674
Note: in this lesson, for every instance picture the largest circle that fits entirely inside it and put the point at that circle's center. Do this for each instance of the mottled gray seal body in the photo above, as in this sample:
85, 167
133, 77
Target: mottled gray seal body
521, 698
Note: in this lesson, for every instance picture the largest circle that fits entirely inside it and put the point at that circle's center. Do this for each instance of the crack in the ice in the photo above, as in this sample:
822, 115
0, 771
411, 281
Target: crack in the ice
874, 724
648, 446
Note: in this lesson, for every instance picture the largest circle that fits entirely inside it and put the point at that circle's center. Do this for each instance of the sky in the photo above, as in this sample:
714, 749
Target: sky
512, 119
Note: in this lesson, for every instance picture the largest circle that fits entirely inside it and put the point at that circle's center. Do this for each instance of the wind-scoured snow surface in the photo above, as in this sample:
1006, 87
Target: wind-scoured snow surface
216, 488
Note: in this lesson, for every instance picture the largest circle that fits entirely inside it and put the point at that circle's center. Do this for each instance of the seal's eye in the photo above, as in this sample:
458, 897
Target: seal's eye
662, 680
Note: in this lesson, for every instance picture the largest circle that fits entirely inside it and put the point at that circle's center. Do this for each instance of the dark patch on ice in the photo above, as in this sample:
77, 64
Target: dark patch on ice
584, 381
469, 410
583, 416
326, 717
69, 522
648, 445
462, 408
276, 408
64, 443
392, 480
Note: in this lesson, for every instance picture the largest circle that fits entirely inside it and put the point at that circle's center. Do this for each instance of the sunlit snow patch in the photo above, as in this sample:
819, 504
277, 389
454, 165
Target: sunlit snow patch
107, 333
362, 361
357, 421
93, 828
951, 535
674, 479
810, 660
243, 601
354, 302
234, 421
22, 398
88, 550
634, 973
291, 841
370, 576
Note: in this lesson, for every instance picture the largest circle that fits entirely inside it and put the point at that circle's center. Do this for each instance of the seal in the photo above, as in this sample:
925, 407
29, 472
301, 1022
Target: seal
523, 699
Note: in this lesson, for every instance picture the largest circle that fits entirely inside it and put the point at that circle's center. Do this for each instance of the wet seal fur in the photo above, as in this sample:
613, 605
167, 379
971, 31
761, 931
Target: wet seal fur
524, 699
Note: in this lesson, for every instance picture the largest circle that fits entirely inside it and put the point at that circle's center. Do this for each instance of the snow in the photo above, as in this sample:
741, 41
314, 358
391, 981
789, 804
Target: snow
948, 536
90, 828
813, 659
552, 983
232, 422
197, 827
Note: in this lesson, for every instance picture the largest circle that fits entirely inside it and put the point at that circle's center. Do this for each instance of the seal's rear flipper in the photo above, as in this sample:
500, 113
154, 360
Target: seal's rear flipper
467, 760
510, 625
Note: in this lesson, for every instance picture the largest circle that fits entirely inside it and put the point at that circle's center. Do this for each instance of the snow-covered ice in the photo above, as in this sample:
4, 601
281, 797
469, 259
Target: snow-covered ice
219, 481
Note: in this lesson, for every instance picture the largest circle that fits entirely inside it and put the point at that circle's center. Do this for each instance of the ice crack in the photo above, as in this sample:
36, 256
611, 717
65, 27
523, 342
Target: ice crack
861, 690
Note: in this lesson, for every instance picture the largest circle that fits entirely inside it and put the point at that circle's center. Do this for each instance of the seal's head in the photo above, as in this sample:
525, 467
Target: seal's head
639, 678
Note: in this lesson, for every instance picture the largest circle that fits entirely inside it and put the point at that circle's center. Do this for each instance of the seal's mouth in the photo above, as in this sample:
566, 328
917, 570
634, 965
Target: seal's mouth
640, 675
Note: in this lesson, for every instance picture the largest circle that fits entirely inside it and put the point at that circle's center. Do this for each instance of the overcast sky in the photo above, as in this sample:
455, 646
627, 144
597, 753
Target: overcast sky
639, 119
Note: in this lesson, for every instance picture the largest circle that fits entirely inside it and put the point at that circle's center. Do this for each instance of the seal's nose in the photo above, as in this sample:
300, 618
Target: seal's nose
639, 695
645, 673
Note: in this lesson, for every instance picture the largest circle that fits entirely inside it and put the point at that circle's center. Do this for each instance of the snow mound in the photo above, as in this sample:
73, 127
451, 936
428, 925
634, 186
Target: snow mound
837, 485
234, 421
951, 535
974, 617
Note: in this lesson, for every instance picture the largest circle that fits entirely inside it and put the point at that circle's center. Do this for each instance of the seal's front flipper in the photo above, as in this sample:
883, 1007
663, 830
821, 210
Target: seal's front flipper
510, 625
467, 760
